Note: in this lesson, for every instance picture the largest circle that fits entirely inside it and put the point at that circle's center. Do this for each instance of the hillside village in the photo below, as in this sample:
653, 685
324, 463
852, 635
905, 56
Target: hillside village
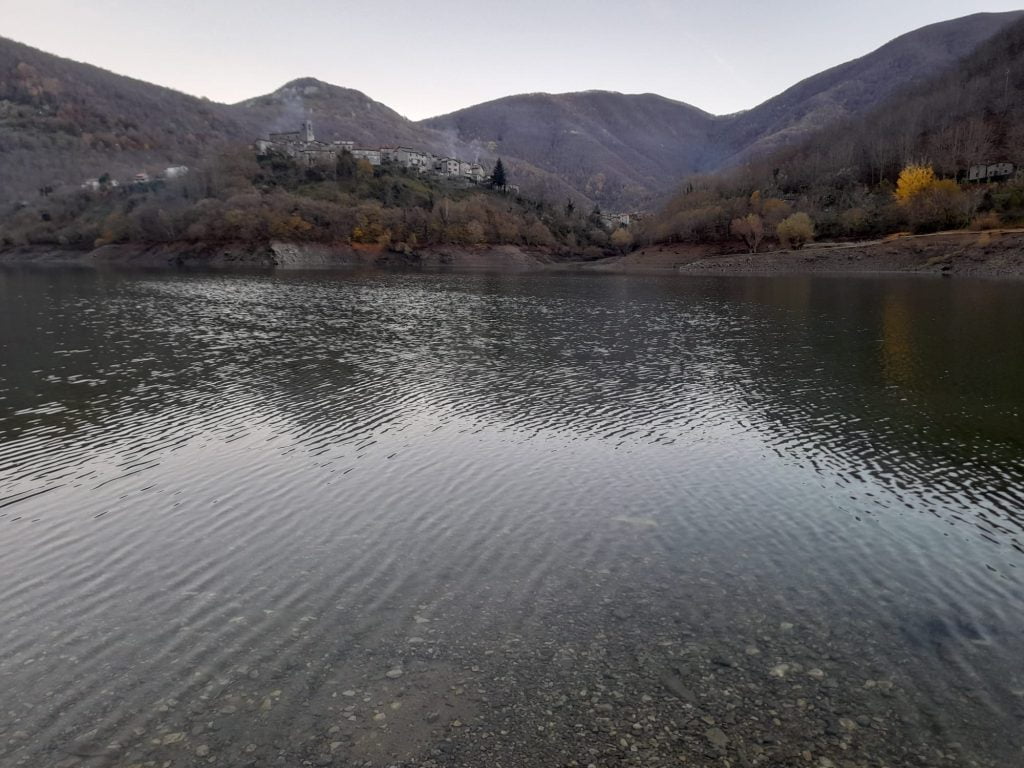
303, 146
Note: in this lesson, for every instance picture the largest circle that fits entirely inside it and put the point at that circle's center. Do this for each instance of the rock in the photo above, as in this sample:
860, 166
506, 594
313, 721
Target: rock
202, 750
674, 684
717, 737
173, 738
394, 673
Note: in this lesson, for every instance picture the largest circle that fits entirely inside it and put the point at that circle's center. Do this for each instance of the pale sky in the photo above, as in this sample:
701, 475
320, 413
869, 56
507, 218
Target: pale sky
428, 58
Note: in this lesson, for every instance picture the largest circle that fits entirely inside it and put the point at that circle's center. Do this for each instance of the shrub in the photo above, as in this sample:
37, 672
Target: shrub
990, 220
941, 206
795, 231
749, 229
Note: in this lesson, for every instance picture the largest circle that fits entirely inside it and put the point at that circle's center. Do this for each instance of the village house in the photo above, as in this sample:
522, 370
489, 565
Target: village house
472, 171
447, 166
990, 172
175, 172
302, 146
372, 156
616, 220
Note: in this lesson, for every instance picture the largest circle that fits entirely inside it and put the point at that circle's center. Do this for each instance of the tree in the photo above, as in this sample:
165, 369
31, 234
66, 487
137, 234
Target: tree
750, 229
796, 230
913, 181
621, 239
498, 177
943, 205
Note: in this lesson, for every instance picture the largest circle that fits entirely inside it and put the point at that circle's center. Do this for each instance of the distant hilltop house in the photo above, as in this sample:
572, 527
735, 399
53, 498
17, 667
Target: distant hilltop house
175, 172
302, 146
991, 172
140, 179
622, 220
95, 185
615, 220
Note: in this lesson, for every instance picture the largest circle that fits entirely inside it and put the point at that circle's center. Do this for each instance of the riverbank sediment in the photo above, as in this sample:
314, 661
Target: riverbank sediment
968, 254
971, 254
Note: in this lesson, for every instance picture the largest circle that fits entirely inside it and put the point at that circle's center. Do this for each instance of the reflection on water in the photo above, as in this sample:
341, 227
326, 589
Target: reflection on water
473, 519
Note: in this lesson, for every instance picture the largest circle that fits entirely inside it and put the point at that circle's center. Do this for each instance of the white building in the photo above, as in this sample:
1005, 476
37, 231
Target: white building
448, 166
990, 172
476, 172
176, 172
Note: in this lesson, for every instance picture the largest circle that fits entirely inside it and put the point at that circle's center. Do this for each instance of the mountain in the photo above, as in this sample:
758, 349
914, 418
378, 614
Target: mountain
346, 114
609, 146
337, 113
965, 123
62, 121
964, 116
623, 150
853, 88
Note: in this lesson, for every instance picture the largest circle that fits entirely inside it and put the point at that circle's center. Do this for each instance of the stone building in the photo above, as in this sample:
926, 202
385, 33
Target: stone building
990, 172
372, 156
303, 147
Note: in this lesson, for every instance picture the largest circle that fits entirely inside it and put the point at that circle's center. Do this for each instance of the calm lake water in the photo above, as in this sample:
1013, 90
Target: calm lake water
468, 520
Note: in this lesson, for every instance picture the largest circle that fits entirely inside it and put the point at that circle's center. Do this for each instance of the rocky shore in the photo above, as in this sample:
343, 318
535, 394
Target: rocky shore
277, 256
970, 254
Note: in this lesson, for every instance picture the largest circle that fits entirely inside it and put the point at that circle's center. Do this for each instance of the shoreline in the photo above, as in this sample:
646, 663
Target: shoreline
991, 254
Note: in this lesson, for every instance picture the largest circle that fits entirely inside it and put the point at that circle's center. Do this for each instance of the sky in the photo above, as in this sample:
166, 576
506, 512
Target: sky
429, 58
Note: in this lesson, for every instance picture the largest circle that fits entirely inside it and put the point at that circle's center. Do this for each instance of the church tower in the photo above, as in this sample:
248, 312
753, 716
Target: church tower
308, 126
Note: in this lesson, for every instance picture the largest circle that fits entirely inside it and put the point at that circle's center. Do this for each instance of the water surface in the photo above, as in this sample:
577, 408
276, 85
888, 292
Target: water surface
510, 520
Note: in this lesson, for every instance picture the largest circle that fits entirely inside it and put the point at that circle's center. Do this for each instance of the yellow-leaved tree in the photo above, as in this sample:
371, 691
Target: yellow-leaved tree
931, 204
914, 180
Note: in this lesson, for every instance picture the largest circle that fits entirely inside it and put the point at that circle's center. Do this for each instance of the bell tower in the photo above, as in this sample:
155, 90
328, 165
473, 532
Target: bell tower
308, 128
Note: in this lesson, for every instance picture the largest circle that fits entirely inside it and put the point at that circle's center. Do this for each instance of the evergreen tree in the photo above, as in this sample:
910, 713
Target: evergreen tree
498, 178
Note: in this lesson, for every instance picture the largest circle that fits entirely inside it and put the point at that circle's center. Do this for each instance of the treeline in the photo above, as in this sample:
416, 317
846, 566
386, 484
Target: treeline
243, 198
844, 177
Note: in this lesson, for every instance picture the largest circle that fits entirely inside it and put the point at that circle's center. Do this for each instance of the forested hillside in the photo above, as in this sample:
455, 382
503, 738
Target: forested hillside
615, 148
847, 176
623, 150
62, 122
858, 86
242, 198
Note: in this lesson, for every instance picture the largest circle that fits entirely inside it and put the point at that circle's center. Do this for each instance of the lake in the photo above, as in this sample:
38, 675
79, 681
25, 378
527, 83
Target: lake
392, 519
